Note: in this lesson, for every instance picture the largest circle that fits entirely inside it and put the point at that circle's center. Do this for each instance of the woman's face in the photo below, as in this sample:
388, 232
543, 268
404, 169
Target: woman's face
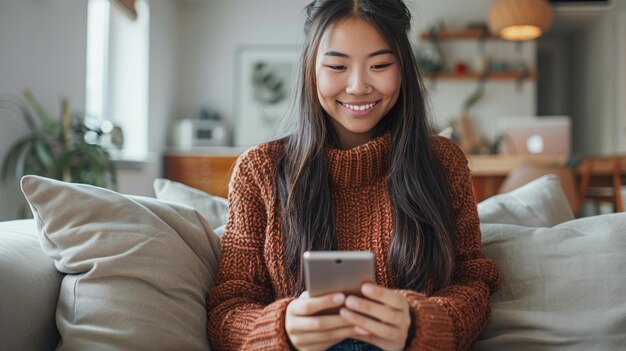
358, 79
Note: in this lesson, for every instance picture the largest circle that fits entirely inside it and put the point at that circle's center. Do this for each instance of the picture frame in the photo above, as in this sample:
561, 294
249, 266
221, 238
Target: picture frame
265, 80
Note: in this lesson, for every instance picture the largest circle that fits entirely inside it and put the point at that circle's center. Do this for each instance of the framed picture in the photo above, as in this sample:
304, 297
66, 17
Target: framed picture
265, 77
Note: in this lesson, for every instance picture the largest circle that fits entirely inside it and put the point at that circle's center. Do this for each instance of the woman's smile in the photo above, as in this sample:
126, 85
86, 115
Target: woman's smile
358, 108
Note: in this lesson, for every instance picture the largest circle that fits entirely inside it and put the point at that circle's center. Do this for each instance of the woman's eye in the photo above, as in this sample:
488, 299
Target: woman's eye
381, 66
337, 67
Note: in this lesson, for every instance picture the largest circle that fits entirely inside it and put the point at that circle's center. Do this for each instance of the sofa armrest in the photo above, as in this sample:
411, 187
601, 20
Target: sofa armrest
29, 290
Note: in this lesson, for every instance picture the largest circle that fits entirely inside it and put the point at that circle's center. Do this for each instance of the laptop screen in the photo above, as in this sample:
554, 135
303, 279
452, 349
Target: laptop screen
532, 135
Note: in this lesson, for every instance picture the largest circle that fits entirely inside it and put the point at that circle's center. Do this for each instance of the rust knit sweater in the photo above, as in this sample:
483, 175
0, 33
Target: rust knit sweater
246, 309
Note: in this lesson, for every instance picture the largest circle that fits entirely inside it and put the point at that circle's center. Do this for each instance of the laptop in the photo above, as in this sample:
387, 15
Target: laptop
535, 135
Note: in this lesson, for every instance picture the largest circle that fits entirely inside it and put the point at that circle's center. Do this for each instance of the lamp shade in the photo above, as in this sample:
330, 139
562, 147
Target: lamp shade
520, 19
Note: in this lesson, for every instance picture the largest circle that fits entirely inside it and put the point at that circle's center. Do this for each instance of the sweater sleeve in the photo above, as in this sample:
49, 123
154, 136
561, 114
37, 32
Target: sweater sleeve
453, 317
242, 311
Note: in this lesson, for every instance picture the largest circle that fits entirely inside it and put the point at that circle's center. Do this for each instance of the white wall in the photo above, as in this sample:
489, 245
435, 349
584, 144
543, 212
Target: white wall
42, 46
213, 30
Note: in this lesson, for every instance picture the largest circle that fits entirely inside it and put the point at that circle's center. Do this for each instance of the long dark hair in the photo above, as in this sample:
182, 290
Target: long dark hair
422, 250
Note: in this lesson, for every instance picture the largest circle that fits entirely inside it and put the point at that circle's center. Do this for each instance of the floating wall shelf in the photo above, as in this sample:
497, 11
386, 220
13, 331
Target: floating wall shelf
509, 75
460, 34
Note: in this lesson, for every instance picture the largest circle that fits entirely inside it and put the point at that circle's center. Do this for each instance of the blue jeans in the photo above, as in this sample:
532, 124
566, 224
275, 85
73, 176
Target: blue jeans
353, 345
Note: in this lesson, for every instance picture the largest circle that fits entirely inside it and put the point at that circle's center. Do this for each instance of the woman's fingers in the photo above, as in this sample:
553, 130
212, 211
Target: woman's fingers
381, 304
324, 338
385, 296
374, 327
374, 310
381, 318
321, 323
309, 332
307, 306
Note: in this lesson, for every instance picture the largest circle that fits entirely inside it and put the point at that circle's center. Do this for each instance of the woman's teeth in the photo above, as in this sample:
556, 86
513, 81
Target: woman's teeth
360, 107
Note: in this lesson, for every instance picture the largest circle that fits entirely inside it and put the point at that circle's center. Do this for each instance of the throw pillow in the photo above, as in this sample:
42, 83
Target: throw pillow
138, 269
562, 288
540, 203
219, 231
213, 208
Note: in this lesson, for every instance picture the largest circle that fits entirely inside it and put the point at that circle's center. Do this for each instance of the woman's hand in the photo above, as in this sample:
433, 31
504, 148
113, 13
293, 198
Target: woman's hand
383, 320
309, 332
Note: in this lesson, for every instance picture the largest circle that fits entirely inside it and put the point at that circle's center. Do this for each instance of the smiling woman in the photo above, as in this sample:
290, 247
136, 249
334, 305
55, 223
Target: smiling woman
356, 171
358, 86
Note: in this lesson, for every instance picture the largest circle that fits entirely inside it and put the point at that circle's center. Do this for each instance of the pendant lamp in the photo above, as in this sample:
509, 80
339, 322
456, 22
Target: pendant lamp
520, 19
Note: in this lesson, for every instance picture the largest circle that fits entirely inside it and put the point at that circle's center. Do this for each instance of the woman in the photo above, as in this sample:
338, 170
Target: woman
357, 171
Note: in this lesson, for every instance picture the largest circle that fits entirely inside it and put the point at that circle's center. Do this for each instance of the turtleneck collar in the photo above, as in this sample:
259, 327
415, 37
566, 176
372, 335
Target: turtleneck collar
360, 165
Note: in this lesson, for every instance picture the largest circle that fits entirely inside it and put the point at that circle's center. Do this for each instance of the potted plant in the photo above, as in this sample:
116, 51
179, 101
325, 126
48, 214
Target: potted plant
66, 148
467, 134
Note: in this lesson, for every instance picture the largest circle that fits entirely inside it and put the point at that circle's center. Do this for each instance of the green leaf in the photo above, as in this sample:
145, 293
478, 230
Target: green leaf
7, 163
42, 150
15, 105
21, 165
48, 123
10, 160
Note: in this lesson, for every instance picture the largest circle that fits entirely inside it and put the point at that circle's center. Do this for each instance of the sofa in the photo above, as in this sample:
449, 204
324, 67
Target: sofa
99, 270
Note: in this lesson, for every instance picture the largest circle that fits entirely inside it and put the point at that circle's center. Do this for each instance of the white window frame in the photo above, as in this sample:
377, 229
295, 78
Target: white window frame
118, 73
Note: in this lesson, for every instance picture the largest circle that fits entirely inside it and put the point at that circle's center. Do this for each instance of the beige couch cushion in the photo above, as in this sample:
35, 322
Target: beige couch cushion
540, 203
213, 208
138, 269
563, 288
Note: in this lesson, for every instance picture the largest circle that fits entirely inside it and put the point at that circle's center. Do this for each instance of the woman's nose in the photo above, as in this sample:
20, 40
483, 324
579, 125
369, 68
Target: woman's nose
358, 84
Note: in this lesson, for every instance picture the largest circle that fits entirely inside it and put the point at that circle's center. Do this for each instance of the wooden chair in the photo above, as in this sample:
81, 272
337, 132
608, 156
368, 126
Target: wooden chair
601, 180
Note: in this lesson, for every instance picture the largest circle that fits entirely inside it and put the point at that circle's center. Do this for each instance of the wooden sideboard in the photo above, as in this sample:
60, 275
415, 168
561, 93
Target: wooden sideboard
207, 173
209, 170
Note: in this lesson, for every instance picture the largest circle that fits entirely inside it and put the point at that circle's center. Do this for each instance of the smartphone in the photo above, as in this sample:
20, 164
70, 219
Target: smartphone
337, 271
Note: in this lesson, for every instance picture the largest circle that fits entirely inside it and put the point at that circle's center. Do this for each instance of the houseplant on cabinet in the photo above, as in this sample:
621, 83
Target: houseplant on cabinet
66, 148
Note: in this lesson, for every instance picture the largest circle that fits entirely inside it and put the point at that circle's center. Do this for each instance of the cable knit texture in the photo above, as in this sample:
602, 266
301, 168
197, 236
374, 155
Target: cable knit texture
247, 306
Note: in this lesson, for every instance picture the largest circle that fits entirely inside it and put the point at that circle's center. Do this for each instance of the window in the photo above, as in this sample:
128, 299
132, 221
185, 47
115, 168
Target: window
117, 72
